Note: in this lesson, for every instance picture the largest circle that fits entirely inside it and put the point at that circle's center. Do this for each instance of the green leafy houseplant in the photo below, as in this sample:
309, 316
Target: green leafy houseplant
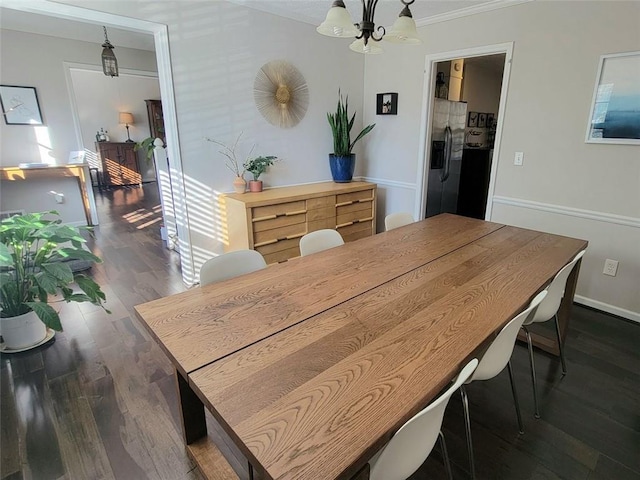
32, 268
257, 166
341, 127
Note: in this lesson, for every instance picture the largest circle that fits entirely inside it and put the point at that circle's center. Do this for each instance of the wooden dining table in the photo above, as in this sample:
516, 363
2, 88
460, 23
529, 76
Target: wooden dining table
311, 365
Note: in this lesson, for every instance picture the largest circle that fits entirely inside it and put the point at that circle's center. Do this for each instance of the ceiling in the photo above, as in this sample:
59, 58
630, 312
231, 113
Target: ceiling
308, 11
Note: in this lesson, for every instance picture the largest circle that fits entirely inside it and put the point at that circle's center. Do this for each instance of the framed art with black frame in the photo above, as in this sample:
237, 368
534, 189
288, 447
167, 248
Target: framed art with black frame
482, 120
20, 105
387, 104
472, 121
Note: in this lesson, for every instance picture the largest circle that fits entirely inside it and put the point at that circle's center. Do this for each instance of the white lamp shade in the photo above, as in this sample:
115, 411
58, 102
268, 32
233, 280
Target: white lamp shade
125, 118
370, 49
403, 31
338, 24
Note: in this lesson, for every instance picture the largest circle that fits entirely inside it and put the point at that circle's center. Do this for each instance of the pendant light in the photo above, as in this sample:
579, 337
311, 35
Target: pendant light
338, 24
109, 61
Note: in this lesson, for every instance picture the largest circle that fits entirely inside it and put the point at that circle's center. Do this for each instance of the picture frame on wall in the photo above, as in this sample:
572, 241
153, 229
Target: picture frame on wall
387, 104
482, 120
615, 106
472, 120
491, 120
20, 105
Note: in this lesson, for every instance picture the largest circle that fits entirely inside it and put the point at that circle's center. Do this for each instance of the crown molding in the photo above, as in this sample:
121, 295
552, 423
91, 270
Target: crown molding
474, 10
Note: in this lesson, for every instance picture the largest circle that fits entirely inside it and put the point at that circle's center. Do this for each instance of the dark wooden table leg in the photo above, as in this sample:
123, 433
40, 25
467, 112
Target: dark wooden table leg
194, 424
564, 312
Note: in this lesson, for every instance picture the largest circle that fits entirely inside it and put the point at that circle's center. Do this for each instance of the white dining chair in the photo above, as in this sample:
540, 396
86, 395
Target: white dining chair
396, 220
320, 240
495, 358
546, 311
412, 443
230, 265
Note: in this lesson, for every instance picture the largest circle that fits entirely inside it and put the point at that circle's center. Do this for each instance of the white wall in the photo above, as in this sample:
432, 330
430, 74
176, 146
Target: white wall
565, 186
99, 99
38, 61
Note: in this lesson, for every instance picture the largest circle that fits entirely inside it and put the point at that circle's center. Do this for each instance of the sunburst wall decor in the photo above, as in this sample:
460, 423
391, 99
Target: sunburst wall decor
281, 94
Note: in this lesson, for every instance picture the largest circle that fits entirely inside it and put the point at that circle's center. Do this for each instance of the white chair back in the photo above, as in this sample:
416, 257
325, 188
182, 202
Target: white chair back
555, 291
412, 444
230, 265
499, 352
399, 219
320, 240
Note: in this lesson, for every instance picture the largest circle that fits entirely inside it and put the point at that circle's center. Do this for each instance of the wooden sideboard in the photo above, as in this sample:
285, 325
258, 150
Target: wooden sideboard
273, 221
118, 163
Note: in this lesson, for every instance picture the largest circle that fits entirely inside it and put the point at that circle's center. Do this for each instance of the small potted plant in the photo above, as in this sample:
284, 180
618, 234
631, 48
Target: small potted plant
342, 161
34, 267
257, 166
239, 183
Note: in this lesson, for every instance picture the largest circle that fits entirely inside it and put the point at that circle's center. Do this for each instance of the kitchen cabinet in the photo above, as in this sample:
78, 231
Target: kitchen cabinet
273, 221
475, 173
118, 164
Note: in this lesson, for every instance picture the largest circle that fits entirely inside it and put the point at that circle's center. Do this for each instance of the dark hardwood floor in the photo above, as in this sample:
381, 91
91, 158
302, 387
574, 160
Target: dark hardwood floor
99, 401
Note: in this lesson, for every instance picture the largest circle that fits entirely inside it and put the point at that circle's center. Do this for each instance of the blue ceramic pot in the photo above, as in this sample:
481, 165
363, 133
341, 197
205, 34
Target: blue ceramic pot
342, 167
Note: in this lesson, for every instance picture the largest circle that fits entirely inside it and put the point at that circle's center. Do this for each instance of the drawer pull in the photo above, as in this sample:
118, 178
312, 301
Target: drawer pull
344, 225
261, 219
365, 200
262, 244
298, 212
342, 204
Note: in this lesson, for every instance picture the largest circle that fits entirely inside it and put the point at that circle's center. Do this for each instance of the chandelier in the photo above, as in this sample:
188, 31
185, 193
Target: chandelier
109, 61
338, 24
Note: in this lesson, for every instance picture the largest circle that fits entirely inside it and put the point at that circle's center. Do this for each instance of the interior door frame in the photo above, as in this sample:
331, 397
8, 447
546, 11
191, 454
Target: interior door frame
160, 34
428, 100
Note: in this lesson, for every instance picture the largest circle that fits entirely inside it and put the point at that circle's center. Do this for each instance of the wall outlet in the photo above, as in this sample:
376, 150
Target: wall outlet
610, 267
518, 159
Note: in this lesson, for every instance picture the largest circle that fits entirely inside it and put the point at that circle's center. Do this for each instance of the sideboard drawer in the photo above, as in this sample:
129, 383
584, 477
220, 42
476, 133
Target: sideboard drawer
347, 198
281, 209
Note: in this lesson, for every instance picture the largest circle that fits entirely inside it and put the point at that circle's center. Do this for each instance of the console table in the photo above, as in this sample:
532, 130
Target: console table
273, 221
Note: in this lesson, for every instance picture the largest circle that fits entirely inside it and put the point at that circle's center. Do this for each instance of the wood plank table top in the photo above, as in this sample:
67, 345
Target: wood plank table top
202, 325
321, 397
311, 365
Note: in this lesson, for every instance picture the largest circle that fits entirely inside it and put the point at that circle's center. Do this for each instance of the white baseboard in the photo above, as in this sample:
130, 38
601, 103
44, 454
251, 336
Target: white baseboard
388, 183
605, 307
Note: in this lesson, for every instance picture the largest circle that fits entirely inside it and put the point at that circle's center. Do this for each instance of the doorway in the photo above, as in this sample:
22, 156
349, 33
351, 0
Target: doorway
461, 130
170, 170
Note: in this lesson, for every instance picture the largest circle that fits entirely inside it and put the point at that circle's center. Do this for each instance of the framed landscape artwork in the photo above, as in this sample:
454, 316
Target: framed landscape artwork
615, 107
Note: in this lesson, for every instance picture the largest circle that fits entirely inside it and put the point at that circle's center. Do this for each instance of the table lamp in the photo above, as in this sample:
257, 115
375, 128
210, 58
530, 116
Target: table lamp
126, 118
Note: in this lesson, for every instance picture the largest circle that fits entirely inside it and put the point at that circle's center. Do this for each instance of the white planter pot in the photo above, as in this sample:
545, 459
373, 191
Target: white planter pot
23, 331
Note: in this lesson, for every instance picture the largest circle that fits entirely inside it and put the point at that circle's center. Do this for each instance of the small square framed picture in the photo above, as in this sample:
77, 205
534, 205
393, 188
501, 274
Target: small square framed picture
387, 104
20, 105
491, 119
472, 121
482, 120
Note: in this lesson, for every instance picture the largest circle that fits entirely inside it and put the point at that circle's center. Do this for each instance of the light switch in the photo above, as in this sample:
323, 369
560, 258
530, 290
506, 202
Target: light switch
518, 159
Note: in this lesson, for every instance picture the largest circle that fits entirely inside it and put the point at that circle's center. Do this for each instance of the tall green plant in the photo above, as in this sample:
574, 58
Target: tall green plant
32, 250
341, 127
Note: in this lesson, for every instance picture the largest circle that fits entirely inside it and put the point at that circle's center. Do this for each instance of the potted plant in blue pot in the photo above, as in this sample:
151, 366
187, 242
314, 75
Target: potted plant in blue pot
342, 161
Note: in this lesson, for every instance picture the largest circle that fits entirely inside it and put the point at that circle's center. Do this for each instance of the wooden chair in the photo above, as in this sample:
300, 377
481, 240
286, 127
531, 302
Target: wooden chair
320, 240
230, 265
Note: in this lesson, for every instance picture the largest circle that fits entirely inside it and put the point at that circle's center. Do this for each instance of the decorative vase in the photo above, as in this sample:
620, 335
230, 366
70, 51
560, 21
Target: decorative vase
22, 331
255, 185
342, 167
240, 184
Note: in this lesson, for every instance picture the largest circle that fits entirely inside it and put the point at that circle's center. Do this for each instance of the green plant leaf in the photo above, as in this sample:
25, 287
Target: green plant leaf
47, 314
77, 254
91, 288
47, 282
6, 260
60, 270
